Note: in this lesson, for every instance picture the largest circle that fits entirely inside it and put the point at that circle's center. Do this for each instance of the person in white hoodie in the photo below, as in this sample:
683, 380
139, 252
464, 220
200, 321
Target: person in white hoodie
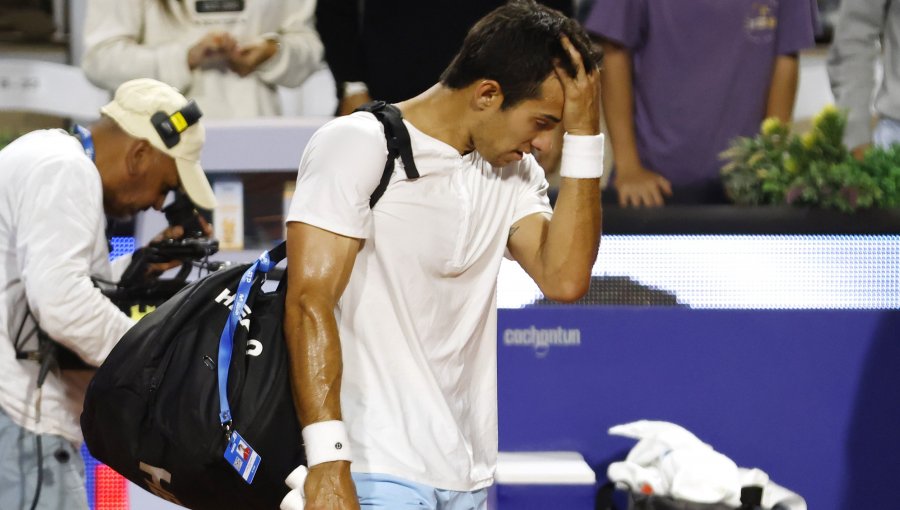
228, 56
55, 190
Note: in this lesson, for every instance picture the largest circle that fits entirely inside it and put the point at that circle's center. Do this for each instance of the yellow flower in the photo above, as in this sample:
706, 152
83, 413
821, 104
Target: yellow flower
771, 126
762, 173
790, 164
829, 111
809, 139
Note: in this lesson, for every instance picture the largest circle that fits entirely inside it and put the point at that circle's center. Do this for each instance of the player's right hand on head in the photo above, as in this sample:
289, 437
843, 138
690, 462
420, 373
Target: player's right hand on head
581, 111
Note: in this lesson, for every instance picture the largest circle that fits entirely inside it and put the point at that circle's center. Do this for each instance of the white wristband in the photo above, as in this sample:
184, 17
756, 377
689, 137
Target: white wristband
326, 441
582, 156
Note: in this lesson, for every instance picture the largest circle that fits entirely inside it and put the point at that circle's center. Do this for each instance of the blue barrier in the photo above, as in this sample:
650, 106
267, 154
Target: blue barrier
809, 396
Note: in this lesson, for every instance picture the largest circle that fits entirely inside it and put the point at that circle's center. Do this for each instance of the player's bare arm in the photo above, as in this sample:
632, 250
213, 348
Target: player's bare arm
320, 265
559, 252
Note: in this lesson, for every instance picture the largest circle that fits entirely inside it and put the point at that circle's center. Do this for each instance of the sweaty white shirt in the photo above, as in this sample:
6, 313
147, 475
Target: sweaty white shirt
52, 240
418, 320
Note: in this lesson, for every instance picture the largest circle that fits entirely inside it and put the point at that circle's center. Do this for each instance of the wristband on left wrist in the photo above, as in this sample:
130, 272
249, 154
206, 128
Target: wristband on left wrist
582, 156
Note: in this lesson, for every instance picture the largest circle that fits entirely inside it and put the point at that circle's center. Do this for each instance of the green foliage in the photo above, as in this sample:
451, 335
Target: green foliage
6, 137
814, 170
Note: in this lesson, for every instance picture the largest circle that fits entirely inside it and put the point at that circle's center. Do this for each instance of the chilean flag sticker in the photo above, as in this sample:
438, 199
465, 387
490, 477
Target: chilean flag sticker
242, 457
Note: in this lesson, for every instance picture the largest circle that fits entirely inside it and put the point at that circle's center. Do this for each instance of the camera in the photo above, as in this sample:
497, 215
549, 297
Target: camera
139, 286
140, 290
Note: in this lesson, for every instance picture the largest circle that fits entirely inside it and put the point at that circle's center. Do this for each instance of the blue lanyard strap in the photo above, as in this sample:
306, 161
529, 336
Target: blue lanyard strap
87, 141
226, 342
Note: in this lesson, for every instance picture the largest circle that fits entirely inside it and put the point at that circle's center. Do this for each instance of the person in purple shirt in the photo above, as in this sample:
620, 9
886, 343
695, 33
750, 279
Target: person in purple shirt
683, 78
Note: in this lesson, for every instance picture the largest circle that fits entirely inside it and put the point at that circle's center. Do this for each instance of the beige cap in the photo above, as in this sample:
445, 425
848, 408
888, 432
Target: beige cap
132, 107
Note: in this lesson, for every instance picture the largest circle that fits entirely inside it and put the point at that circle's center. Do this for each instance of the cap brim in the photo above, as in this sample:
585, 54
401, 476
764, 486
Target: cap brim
195, 184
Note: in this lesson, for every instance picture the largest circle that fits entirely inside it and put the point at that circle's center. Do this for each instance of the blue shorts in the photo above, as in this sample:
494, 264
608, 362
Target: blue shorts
63, 482
385, 492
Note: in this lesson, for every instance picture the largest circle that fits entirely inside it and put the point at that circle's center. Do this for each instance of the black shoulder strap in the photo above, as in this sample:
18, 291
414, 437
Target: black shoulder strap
398, 144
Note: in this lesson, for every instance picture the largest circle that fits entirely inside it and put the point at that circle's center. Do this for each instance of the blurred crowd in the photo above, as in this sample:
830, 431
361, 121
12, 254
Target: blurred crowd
680, 79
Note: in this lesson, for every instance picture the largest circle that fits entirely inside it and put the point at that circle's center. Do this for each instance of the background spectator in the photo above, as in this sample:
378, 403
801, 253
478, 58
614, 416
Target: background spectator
229, 61
681, 79
861, 25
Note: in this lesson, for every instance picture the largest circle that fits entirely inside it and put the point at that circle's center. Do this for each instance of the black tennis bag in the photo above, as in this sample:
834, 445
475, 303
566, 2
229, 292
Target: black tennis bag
154, 411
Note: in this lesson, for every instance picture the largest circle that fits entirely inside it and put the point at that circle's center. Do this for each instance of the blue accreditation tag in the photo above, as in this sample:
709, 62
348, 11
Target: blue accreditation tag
242, 457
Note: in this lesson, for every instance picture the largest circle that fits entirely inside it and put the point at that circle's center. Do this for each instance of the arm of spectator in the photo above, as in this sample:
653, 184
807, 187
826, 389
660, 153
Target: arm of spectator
350, 102
851, 65
337, 22
245, 59
58, 230
321, 263
783, 89
211, 51
636, 185
298, 52
114, 53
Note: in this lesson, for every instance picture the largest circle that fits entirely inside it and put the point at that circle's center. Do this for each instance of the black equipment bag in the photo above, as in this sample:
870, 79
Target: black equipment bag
751, 499
152, 411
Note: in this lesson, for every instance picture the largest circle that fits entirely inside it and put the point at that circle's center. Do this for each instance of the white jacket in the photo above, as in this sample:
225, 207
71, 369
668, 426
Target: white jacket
127, 39
52, 240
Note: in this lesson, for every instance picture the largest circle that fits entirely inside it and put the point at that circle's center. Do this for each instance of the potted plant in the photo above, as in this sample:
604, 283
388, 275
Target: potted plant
814, 169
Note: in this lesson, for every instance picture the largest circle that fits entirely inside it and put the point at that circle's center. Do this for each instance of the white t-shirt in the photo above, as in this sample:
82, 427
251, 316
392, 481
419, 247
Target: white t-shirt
52, 239
418, 320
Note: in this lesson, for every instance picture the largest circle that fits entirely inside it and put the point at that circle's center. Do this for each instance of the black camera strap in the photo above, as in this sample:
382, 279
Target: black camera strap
45, 356
49, 353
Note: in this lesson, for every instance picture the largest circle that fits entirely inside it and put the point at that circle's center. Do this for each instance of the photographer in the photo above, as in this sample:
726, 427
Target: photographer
54, 191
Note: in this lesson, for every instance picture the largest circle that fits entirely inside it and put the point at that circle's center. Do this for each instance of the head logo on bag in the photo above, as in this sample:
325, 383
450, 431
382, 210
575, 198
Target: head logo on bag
227, 298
